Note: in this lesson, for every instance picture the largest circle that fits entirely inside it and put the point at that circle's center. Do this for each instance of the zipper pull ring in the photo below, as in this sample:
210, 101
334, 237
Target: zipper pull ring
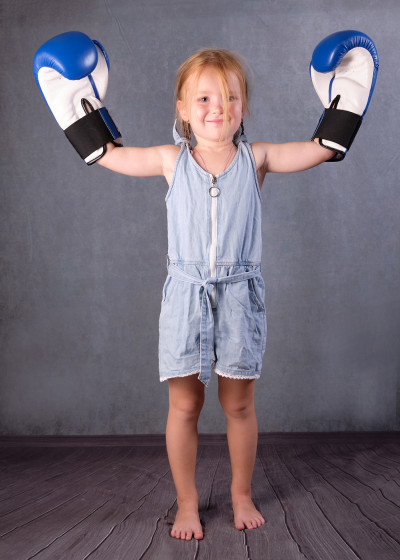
214, 191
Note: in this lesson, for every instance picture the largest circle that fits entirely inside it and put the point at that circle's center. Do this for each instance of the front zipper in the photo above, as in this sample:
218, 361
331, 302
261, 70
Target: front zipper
214, 192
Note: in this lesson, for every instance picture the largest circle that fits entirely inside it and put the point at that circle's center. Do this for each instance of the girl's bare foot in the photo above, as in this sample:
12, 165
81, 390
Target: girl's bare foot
245, 513
187, 523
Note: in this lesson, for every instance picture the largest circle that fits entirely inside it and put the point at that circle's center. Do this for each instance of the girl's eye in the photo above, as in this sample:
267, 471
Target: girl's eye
203, 99
232, 98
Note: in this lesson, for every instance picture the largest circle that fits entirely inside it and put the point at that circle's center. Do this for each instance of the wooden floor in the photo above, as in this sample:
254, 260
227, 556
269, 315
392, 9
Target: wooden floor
324, 496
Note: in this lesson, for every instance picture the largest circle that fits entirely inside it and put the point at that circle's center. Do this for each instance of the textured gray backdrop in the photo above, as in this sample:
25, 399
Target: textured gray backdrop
83, 249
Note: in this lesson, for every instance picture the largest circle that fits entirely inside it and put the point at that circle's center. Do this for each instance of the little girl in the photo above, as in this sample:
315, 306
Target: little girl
212, 312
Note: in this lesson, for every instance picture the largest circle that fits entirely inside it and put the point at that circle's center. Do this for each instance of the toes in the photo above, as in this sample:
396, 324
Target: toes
259, 521
178, 534
184, 535
198, 532
251, 524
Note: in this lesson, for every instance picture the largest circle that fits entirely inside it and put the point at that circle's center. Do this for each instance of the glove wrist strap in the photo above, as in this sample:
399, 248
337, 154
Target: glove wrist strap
337, 125
92, 132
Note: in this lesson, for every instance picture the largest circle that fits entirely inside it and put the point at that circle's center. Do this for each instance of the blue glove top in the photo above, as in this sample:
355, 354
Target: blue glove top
72, 54
329, 52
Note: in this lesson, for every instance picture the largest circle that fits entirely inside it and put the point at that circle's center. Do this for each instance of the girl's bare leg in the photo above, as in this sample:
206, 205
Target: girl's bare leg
237, 400
186, 398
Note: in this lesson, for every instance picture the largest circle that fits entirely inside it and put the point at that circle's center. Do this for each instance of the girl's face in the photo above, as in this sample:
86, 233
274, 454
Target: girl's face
204, 108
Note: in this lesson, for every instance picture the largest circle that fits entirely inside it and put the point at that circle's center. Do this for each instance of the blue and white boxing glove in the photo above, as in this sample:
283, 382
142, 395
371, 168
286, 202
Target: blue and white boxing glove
343, 69
72, 73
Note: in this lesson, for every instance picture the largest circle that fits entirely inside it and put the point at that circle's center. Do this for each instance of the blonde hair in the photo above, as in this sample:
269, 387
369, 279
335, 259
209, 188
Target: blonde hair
223, 62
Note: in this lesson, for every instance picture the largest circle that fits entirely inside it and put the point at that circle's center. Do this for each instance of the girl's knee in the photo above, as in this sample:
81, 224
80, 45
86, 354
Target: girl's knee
237, 409
187, 409
236, 398
186, 397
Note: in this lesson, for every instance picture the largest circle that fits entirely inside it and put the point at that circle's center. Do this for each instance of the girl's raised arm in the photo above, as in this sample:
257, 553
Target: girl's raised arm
343, 70
72, 72
289, 157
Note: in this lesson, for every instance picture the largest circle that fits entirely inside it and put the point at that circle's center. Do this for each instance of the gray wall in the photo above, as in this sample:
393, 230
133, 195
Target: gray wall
83, 249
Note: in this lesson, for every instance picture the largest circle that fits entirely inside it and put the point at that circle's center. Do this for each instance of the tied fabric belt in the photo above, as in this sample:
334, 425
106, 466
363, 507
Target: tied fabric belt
206, 314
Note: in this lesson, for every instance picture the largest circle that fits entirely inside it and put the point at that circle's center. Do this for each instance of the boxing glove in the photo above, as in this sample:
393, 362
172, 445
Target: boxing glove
343, 69
71, 71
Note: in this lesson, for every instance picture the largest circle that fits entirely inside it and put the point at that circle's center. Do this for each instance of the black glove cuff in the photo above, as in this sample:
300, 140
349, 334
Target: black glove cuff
92, 132
338, 126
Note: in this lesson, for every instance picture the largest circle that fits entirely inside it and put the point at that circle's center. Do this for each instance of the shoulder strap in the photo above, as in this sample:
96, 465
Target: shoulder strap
239, 136
179, 139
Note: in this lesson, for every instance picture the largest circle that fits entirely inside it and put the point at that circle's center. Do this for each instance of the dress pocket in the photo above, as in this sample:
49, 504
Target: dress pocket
250, 311
257, 291
249, 294
240, 293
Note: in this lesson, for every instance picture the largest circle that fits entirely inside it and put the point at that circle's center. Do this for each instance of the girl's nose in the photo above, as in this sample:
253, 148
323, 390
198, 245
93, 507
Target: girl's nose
217, 106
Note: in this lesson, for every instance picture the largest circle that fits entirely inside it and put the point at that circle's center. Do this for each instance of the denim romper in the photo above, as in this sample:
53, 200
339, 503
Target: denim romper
212, 310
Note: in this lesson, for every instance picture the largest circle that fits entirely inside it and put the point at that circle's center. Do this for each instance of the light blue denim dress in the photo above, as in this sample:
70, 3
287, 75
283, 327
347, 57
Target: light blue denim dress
212, 310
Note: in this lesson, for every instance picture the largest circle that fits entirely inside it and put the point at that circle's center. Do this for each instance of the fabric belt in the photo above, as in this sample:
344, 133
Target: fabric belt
206, 314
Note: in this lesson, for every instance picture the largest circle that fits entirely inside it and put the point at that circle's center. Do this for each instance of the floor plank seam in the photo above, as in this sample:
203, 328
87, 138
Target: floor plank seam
324, 515
212, 481
196, 552
246, 547
151, 540
363, 513
29, 502
113, 529
283, 509
155, 486
43, 514
69, 529
389, 459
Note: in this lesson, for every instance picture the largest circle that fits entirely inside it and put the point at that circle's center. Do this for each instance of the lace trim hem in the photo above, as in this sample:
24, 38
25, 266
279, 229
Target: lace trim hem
218, 371
232, 376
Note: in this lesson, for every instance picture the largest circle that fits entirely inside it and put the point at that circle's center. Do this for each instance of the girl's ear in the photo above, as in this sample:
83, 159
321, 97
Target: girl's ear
182, 111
